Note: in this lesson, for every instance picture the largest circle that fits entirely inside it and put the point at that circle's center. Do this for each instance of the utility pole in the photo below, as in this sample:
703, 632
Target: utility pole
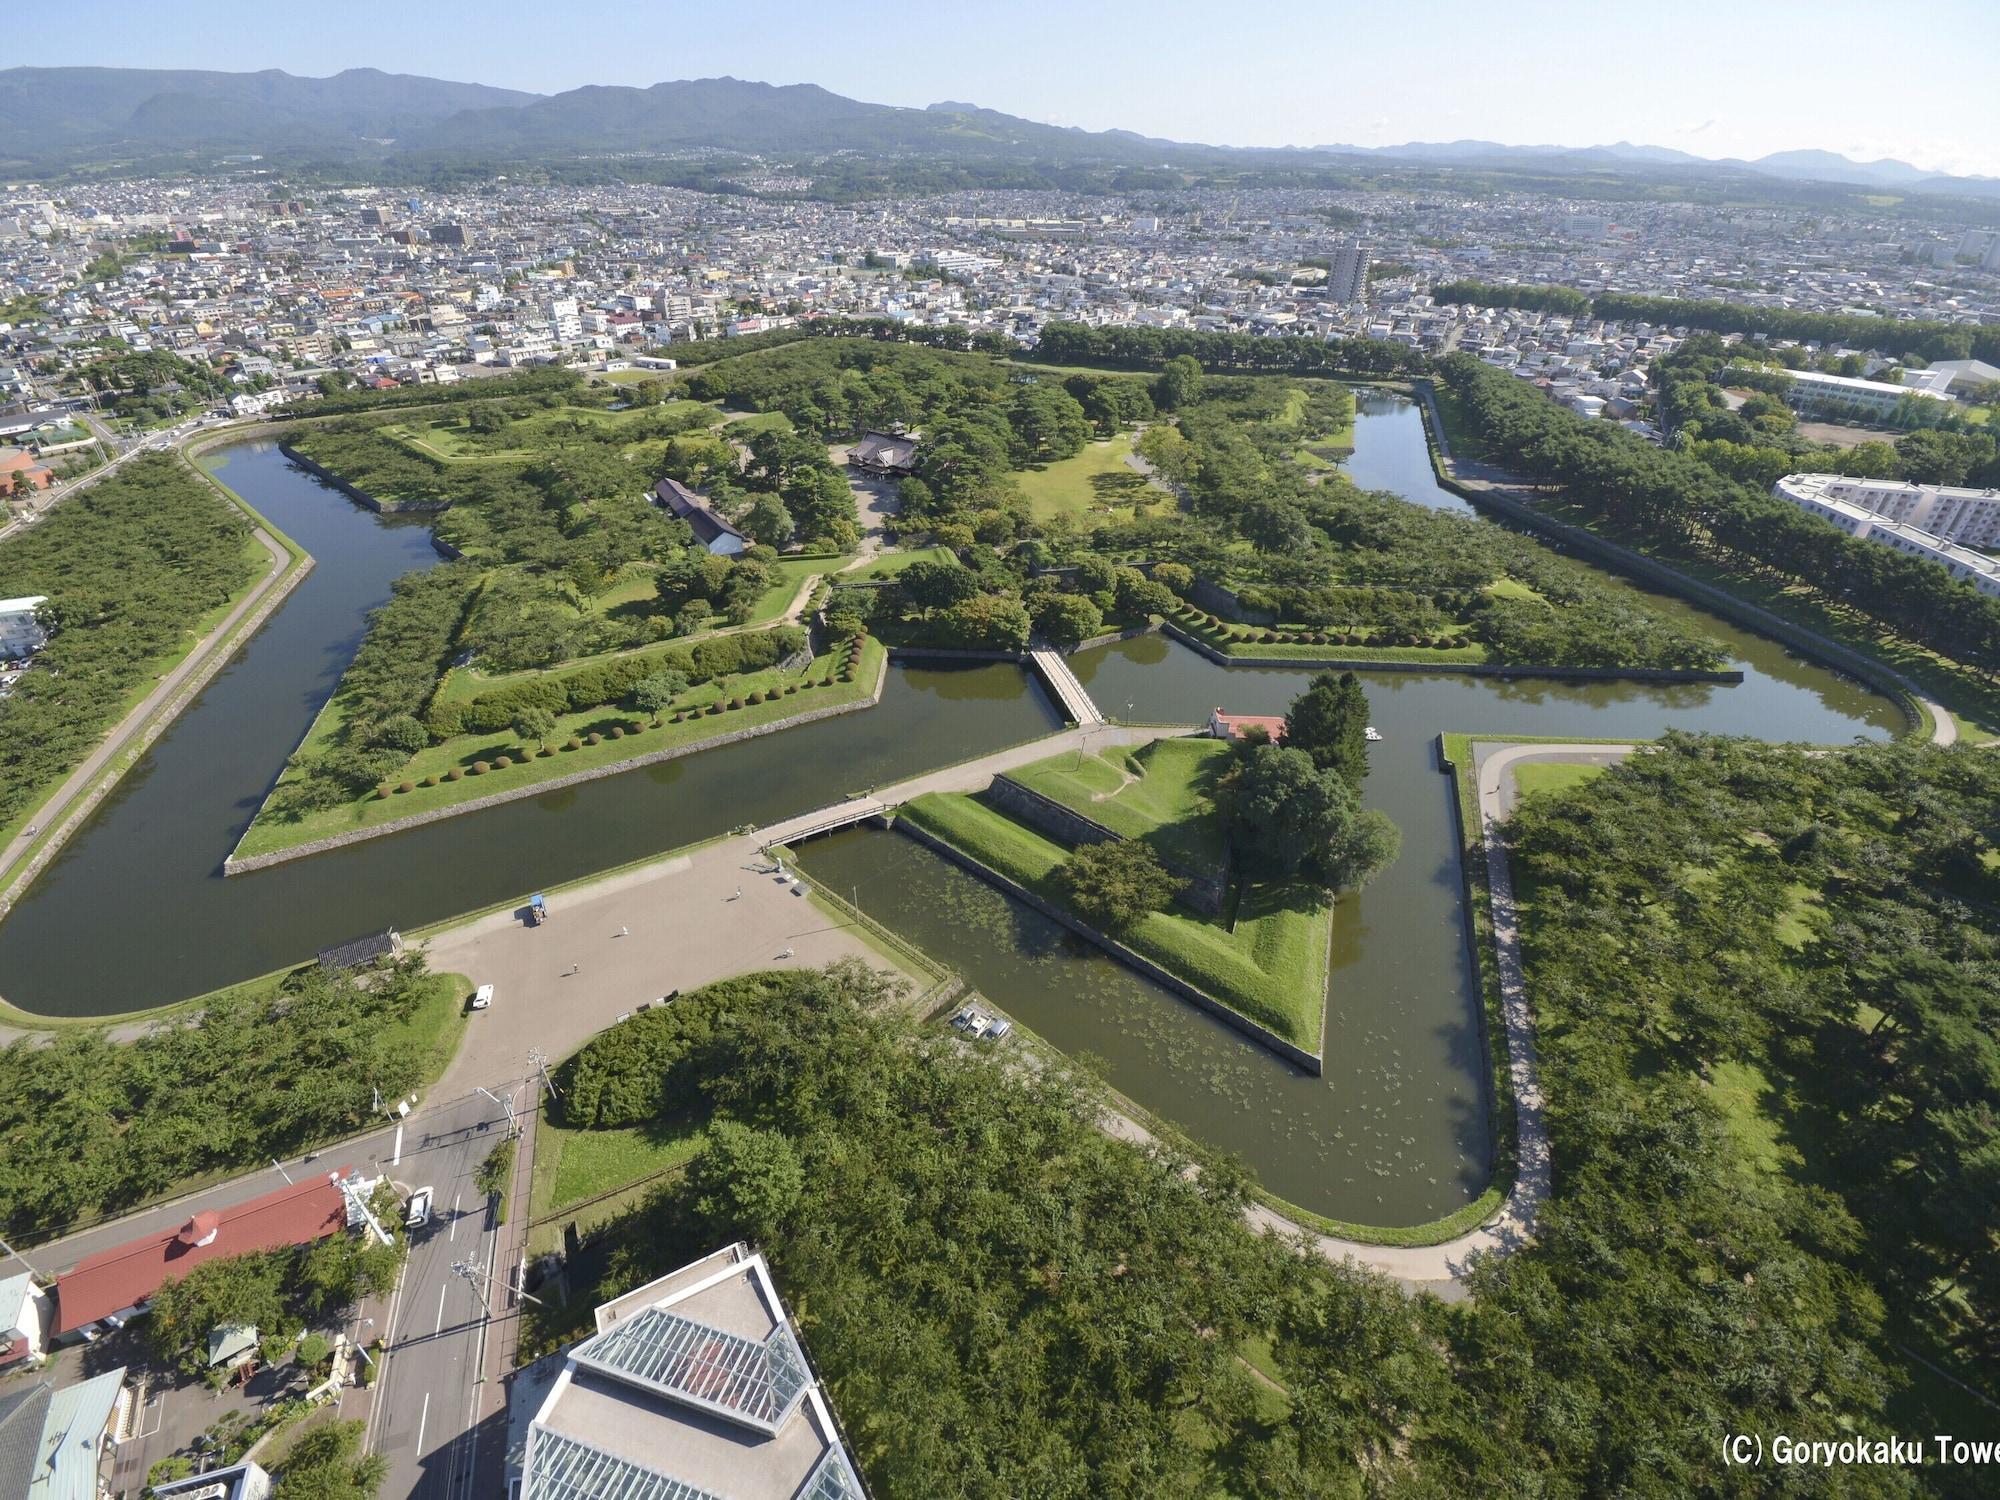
539, 1061
359, 1204
481, 1282
513, 1125
17, 1255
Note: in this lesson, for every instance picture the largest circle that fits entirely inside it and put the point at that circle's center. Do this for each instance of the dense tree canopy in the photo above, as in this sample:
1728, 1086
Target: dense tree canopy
1678, 504
90, 1126
129, 566
1004, 1300
1895, 336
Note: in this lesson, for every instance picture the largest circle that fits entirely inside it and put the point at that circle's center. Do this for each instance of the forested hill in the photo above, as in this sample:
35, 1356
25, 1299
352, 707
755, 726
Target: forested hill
53, 109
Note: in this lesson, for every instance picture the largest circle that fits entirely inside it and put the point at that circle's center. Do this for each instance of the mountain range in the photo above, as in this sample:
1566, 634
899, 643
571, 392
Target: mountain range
60, 117
1797, 166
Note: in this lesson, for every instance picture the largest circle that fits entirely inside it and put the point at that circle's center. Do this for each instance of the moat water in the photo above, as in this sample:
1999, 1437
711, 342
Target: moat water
136, 911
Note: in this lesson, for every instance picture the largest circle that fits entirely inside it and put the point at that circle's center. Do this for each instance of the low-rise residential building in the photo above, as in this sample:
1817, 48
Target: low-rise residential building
118, 1283
694, 1387
24, 1321
56, 1442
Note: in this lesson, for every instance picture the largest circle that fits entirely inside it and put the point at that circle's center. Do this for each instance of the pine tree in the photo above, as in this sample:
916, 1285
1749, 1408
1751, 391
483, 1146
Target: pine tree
1329, 721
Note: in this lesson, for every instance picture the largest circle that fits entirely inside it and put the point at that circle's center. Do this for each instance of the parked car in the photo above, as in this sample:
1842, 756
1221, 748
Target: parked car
482, 997
975, 1023
420, 1209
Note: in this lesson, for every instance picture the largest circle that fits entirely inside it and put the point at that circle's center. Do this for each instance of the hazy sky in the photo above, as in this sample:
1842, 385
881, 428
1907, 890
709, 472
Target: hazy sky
1716, 77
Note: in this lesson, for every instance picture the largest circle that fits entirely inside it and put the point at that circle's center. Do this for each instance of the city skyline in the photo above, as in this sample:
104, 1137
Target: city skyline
1339, 74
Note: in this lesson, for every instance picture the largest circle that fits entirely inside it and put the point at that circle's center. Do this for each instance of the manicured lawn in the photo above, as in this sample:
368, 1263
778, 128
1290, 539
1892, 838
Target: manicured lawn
1552, 776
889, 564
1095, 483
787, 576
635, 582
1272, 967
268, 834
574, 1165
750, 424
1161, 792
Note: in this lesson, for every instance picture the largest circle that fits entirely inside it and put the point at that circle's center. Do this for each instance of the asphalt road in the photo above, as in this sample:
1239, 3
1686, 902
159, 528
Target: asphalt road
426, 1403
424, 1407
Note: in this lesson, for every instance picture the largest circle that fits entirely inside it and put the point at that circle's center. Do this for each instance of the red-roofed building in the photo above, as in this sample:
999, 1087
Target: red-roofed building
120, 1281
1224, 726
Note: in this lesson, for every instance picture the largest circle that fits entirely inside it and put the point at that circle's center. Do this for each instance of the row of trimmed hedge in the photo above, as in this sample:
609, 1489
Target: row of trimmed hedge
1221, 631
849, 659
612, 681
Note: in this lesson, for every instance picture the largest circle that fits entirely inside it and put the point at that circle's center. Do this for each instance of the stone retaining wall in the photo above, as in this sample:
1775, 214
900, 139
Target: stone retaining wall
1464, 668
953, 653
1218, 600
1204, 892
1112, 637
243, 865
1291, 1052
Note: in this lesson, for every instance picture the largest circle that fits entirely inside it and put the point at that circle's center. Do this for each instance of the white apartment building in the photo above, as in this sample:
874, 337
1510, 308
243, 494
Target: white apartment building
1930, 521
21, 634
565, 320
1812, 390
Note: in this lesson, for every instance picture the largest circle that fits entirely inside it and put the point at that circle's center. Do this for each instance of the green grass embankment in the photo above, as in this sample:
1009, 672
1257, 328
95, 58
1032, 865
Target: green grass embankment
529, 768
1271, 966
1161, 792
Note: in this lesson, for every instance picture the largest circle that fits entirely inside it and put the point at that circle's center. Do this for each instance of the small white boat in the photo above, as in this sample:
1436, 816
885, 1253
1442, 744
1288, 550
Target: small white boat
1372, 733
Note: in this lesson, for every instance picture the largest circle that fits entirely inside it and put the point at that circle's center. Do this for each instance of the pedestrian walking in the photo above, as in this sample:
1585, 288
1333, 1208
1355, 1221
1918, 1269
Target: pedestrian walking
739, 894
624, 932
574, 969
786, 954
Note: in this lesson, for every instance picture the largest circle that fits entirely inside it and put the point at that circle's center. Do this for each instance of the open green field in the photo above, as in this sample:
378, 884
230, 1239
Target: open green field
1093, 484
749, 424
1270, 965
447, 436
576, 1166
1552, 776
889, 564
1161, 793
816, 688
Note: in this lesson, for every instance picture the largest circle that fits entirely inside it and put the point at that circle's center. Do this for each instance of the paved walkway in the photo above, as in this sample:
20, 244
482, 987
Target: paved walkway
675, 924
1442, 1268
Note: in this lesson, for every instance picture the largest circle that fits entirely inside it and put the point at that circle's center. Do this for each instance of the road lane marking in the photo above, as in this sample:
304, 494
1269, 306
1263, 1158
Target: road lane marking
440, 1320
420, 1424
454, 1214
